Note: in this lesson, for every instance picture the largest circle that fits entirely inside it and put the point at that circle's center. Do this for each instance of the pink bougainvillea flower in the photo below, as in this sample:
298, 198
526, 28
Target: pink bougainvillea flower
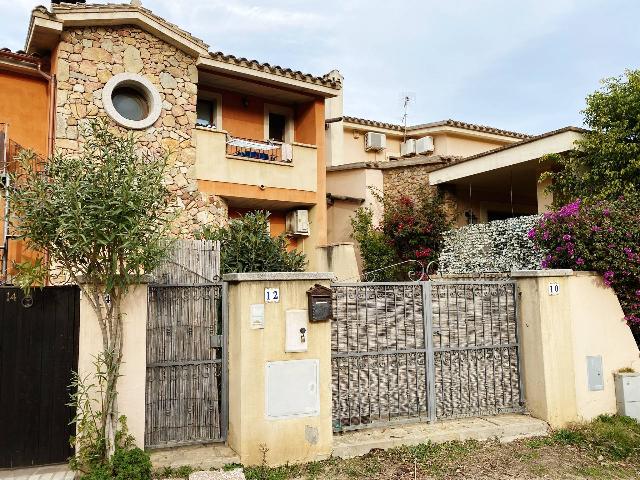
580, 261
570, 209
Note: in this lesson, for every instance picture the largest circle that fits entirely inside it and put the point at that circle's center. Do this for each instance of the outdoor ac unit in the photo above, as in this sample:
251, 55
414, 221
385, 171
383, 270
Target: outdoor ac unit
408, 148
298, 222
424, 145
374, 142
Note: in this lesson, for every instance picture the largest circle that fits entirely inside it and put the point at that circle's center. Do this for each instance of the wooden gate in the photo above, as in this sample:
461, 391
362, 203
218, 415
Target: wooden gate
186, 399
38, 352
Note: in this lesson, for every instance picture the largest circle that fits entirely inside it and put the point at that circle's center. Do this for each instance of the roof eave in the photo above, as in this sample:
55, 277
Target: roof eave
556, 141
260, 75
44, 31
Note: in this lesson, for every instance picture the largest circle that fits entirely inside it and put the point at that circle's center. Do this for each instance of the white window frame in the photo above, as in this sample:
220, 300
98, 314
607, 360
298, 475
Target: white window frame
217, 97
289, 127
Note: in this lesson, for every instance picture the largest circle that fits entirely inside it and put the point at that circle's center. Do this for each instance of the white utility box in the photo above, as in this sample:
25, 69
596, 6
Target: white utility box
297, 222
424, 145
296, 331
628, 394
291, 389
408, 148
374, 142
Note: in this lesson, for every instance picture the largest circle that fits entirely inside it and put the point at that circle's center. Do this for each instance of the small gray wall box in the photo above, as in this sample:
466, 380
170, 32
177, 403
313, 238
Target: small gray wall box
628, 394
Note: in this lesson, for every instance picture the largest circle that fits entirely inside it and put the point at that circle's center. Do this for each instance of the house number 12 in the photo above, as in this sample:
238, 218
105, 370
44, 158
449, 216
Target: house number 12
271, 295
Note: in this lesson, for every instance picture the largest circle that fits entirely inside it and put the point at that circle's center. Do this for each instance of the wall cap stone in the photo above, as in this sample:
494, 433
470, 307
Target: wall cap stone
277, 276
143, 280
557, 272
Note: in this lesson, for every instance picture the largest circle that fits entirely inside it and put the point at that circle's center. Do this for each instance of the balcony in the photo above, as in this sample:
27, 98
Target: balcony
272, 168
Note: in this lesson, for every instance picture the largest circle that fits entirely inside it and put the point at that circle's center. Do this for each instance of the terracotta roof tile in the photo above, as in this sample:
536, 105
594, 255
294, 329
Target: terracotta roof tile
442, 123
324, 80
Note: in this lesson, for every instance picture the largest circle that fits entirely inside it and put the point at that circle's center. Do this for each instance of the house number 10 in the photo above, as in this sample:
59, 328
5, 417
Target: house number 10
271, 295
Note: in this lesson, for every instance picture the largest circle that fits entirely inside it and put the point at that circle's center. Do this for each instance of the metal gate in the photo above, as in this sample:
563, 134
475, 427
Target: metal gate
186, 391
393, 360
38, 352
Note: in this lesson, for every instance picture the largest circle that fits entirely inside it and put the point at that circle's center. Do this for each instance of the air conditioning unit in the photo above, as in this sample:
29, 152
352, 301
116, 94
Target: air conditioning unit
408, 148
424, 145
374, 142
298, 222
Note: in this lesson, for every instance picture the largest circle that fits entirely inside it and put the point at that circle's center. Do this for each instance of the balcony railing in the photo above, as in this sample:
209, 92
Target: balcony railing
245, 148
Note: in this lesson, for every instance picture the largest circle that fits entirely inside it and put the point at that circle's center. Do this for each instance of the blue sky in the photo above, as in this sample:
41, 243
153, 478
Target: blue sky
523, 65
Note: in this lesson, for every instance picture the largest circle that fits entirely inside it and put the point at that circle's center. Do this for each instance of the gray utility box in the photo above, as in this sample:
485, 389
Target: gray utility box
628, 394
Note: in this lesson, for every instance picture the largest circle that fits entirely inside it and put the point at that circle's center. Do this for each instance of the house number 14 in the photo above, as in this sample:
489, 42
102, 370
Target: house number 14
271, 295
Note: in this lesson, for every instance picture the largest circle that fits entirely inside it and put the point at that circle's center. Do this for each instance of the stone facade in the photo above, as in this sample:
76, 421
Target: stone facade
408, 179
88, 58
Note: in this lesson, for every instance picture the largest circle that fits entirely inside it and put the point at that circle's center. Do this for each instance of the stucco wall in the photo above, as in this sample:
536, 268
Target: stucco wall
461, 146
558, 332
133, 370
89, 57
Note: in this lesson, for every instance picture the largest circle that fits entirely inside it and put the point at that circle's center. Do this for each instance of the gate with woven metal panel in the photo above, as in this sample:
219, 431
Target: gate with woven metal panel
186, 391
422, 351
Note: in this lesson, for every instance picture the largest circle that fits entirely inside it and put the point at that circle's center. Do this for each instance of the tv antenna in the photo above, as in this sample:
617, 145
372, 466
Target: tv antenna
406, 98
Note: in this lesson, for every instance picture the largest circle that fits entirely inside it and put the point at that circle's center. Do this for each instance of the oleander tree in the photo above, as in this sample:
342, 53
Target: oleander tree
102, 216
246, 245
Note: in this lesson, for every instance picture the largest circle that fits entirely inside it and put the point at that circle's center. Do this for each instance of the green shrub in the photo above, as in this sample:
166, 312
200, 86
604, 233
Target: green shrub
131, 464
247, 246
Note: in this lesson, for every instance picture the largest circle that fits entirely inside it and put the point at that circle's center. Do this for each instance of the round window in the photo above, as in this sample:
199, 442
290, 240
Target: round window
131, 100
130, 103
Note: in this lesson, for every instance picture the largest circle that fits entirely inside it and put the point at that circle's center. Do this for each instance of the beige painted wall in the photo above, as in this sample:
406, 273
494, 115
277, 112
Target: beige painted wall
358, 183
461, 146
341, 260
558, 333
131, 385
545, 198
249, 351
598, 329
213, 164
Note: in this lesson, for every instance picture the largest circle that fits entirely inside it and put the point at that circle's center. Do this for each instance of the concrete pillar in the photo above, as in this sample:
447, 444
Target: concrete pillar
545, 198
133, 371
257, 351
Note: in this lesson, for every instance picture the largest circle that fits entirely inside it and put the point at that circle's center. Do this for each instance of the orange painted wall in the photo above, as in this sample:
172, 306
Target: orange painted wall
248, 121
24, 105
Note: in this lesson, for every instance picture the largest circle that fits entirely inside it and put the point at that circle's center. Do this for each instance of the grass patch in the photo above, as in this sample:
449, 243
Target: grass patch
613, 436
608, 447
174, 472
